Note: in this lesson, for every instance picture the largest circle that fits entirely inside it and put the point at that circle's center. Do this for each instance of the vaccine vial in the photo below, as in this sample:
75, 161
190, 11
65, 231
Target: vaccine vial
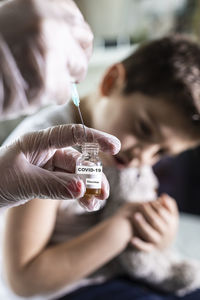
89, 167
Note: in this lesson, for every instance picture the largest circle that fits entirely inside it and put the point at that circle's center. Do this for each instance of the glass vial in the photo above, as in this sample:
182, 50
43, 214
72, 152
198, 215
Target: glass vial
89, 167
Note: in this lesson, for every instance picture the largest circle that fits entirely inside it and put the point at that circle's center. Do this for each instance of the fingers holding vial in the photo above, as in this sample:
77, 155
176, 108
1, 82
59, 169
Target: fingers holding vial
88, 166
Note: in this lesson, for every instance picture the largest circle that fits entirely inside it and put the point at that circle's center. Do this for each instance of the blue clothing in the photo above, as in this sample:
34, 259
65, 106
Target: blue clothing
124, 289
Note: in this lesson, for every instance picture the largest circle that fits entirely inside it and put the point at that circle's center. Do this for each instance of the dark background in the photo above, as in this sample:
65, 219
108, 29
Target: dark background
180, 178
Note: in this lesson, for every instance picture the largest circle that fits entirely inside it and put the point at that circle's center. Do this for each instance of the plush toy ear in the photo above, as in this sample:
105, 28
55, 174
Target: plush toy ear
113, 79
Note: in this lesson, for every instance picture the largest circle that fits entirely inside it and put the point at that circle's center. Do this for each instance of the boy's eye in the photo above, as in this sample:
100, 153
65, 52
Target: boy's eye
161, 152
145, 129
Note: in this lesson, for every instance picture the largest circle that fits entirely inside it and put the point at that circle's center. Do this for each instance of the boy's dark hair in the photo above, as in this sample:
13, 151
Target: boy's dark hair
168, 68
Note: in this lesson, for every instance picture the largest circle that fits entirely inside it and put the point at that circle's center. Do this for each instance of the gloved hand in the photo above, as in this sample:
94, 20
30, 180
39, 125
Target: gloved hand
37, 165
44, 45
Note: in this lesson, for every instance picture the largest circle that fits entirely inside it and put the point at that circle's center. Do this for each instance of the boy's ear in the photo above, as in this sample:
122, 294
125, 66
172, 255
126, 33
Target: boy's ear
113, 79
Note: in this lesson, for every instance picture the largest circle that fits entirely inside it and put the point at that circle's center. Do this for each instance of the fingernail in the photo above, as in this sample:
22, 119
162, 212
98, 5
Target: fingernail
79, 185
75, 187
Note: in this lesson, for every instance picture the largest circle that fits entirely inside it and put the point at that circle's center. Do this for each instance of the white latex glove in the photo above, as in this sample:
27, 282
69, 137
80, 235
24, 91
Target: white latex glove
44, 45
36, 165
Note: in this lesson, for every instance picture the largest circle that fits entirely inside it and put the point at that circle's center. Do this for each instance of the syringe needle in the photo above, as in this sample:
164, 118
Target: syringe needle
82, 123
76, 100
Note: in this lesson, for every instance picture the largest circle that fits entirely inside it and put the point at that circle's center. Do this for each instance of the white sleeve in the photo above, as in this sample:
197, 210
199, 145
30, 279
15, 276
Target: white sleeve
50, 116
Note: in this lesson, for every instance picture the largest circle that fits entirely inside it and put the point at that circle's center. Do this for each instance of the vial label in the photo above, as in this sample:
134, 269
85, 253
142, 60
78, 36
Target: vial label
93, 183
92, 176
88, 170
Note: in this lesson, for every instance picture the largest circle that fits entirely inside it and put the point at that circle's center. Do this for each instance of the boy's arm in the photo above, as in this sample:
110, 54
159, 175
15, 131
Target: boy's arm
33, 267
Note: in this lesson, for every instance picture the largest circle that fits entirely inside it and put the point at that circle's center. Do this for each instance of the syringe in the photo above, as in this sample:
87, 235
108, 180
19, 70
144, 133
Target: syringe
76, 100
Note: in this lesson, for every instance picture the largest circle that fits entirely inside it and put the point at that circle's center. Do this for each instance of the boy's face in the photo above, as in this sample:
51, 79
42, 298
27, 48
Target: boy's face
148, 128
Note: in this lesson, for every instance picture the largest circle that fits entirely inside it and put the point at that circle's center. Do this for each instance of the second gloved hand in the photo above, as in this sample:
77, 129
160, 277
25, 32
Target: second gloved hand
39, 165
44, 45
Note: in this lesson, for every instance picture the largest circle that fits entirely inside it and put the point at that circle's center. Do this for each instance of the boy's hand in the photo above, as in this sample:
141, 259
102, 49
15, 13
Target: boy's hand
155, 224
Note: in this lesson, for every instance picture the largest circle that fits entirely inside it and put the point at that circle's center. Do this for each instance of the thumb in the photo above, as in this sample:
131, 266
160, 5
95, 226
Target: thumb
54, 185
169, 203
